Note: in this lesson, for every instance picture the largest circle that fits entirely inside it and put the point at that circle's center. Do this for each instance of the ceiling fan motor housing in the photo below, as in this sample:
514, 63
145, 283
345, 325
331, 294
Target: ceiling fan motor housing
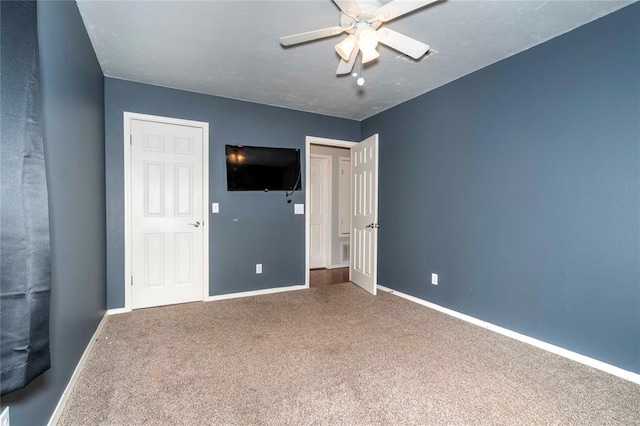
364, 18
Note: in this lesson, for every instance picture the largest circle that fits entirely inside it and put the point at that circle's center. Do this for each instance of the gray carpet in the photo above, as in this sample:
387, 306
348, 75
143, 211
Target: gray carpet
331, 355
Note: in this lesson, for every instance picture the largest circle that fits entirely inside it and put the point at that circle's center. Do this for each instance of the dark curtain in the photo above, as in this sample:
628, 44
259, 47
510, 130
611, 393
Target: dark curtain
25, 267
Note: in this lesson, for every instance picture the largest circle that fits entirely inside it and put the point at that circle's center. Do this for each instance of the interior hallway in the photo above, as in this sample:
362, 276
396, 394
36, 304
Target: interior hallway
324, 277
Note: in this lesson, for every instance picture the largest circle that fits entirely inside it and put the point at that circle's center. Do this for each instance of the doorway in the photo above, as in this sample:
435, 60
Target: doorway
346, 199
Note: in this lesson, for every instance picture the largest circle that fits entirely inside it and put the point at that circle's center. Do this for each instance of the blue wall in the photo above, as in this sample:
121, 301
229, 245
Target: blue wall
73, 112
252, 227
519, 185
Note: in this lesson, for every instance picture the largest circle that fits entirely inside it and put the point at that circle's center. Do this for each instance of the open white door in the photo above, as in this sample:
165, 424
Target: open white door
364, 214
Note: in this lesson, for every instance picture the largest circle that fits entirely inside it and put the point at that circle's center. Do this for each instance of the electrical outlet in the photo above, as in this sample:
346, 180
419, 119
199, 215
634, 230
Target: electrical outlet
4, 417
434, 279
258, 268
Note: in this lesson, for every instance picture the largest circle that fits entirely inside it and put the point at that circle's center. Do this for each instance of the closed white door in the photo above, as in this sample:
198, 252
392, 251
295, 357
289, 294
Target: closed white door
364, 220
318, 212
167, 228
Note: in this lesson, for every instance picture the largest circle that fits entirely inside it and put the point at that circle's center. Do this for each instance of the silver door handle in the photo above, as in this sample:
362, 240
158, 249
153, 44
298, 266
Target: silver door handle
195, 224
373, 225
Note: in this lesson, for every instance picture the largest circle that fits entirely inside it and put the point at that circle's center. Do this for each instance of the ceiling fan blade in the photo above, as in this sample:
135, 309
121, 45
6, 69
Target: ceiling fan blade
348, 7
310, 36
345, 67
403, 44
400, 7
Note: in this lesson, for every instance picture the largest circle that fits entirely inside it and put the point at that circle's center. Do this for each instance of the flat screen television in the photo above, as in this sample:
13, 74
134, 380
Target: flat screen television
255, 168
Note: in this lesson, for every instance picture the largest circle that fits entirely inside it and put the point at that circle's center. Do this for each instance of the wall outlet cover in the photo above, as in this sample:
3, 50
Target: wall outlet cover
215, 208
434, 279
258, 268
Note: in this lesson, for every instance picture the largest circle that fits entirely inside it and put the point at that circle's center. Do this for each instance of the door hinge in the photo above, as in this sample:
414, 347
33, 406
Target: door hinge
131, 279
130, 139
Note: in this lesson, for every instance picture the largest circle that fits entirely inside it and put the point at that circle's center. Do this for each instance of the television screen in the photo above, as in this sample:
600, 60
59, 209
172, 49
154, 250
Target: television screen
253, 168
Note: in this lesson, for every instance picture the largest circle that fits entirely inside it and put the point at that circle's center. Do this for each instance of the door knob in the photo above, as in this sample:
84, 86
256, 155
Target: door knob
195, 224
372, 225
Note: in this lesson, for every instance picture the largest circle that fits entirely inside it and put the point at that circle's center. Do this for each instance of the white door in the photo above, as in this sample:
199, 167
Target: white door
167, 228
344, 188
364, 220
318, 212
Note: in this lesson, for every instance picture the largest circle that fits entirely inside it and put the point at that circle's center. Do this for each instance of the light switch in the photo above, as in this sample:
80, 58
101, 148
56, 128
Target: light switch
215, 208
298, 208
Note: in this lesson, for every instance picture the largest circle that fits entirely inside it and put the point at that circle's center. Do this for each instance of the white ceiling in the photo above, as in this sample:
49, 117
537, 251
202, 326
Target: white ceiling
232, 49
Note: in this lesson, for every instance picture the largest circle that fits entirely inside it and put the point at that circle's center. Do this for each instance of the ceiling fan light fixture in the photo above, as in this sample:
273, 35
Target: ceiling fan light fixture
369, 55
367, 40
346, 46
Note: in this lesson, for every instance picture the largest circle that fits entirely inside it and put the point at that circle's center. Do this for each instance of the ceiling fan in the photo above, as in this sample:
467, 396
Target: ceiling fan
362, 21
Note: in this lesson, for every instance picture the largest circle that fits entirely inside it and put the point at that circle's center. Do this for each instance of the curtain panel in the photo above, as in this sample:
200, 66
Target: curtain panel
25, 266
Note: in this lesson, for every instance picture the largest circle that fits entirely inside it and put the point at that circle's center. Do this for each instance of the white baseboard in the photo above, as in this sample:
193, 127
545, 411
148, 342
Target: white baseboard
255, 292
574, 356
76, 373
117, 311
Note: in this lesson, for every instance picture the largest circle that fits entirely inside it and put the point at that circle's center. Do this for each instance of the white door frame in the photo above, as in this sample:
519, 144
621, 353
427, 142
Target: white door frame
313, 140
326, 204
128, 117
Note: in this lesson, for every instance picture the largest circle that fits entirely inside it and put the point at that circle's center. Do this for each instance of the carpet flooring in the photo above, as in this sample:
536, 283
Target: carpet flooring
332, 355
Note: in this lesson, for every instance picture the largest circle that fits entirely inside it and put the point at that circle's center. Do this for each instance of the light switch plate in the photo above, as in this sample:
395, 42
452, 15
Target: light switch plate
215, 208
298, 208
